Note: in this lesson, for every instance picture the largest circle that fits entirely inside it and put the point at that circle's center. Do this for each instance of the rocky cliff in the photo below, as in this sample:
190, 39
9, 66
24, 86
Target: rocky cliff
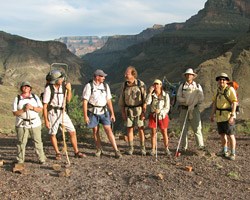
23, 59
110, 52
81, 45
211, 34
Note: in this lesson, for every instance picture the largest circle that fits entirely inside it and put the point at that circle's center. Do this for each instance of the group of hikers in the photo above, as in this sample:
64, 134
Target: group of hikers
133, 101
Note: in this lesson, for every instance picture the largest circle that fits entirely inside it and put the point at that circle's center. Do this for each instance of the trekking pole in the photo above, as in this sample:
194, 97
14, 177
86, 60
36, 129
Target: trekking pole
63, 130
184, 124
156, 129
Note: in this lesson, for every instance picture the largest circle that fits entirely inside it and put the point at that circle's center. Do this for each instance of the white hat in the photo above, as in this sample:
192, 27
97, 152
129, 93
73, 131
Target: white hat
157, 81
190, 71
222, 75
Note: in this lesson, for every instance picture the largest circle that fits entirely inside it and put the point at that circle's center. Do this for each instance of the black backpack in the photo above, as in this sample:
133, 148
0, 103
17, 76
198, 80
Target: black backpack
52, 89
19, 97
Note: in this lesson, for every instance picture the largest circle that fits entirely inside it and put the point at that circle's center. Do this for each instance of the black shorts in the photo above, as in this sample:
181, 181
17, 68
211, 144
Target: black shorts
226, 128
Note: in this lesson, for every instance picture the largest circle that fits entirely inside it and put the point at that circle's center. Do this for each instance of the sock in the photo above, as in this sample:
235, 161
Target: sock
233, 151
225, 149
131, 143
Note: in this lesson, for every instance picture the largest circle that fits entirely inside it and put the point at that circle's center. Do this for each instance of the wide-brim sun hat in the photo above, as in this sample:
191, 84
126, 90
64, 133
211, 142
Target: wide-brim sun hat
189, 71
55, 75
100, 72
222, 75
157, 81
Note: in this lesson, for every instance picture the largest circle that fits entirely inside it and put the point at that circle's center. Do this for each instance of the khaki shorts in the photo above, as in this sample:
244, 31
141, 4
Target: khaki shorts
134, 121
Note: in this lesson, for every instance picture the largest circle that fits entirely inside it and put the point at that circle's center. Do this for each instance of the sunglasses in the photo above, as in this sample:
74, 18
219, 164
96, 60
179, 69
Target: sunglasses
157, 84
222, 79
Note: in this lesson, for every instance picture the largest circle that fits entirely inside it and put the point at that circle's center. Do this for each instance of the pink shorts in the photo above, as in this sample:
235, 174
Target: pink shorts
162, 124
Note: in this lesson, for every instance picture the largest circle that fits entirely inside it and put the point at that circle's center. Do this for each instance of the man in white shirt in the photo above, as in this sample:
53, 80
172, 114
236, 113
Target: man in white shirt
98, 109
54, 113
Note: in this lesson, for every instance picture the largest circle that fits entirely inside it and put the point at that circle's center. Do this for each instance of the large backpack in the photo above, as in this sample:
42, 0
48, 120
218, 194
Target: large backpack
139, 86
52, 89
235, 85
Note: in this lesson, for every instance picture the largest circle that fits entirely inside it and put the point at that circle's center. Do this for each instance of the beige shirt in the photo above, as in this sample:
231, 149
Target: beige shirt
190, 94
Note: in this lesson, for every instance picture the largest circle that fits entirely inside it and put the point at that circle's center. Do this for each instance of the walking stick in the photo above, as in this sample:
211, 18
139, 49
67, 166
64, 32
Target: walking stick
184, 124
63, 129
156, 129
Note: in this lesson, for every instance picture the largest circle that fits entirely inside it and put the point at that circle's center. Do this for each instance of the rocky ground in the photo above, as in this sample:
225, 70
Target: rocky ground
132, 177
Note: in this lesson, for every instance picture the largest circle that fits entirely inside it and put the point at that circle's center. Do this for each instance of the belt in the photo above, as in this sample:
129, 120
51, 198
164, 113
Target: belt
27, 120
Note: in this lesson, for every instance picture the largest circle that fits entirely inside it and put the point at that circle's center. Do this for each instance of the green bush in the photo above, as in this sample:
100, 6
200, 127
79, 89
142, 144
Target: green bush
76, 114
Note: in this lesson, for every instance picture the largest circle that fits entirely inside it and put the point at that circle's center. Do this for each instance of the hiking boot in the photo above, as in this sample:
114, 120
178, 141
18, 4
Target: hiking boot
168, 152
182, 151
223, 153
152, 152
130, 151
232, 156
98, 152
143, 151
42, 162
202, 148
118, 154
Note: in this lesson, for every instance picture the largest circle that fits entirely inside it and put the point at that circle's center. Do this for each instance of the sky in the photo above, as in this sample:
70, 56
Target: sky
51, 19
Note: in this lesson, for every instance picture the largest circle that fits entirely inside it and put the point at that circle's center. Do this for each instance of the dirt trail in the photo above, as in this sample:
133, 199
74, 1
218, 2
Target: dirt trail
132, 177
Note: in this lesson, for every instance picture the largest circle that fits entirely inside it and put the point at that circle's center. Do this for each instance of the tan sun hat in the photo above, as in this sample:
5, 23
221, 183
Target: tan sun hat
222, 75
190, 71
157, 81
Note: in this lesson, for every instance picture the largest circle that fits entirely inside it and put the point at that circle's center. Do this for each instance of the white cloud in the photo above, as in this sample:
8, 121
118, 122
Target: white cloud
50, 19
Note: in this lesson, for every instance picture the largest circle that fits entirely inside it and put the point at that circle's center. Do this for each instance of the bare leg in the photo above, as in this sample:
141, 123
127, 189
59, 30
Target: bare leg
153, 138
111, 136
53, 140
165, 137
97, 138
141, 135
73, 140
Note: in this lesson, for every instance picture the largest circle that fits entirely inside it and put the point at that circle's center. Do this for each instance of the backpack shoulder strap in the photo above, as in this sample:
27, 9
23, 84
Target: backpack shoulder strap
225, 93
18, 98
91, 86
34, 96
52, 90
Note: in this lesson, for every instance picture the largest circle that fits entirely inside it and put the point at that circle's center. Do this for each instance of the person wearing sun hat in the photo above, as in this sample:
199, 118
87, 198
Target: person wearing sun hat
189, 96
54, 112
26, 108
224, 110
159, 103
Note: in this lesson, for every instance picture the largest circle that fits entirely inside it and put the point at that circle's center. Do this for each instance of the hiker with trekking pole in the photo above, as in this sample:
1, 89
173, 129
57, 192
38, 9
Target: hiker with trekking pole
56, 94
26, 108
224, 110
189, 96
98, 109
159, 103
